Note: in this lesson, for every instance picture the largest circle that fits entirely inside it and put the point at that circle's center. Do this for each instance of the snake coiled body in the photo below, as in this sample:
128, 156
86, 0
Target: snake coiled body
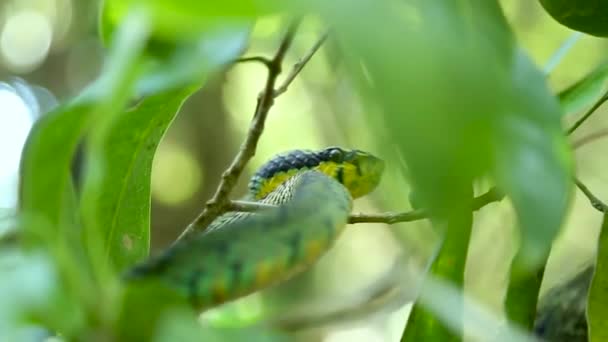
240, 253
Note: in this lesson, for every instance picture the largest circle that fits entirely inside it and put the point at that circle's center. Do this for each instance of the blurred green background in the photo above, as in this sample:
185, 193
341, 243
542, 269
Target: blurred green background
52, 45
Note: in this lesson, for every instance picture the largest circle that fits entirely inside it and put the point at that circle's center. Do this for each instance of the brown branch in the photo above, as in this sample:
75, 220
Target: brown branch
219, 203
590, 138
259, 59
300, 65
587, 114
594, 200
479, 202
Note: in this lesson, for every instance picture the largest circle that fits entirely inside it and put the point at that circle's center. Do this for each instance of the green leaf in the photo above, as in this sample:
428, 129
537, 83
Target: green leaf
121, 198
428, 72
31, 293
190, 62
178, 326
448, 266
587, 16
597, 301
45, 196
533, 163
586, 91
522, 297
428, 86
533, 167
441, 297
448, 90
185, 20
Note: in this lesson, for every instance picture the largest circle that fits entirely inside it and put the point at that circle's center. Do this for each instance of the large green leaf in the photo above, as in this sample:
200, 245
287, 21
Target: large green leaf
451, 93
45, 184
121, 199
586, 91
116, 189
533, 163
187, 63
31, 293
587, 16
46, 193
428, 72
597, 301
448, 266
185, 20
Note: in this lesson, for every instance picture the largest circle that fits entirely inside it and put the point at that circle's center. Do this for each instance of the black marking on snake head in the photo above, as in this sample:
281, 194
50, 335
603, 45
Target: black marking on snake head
340, 174
357, 165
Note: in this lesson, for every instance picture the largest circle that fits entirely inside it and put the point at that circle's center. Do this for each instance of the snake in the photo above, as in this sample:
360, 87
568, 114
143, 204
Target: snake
311, 193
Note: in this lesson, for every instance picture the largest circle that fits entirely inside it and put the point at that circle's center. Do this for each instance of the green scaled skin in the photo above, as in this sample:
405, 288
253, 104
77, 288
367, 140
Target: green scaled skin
241, 253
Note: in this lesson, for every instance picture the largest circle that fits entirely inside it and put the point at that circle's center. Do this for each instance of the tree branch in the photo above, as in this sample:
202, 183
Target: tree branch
259, 59
595, 202
589, 138
300, 65
479, 202
220, 202
587, 114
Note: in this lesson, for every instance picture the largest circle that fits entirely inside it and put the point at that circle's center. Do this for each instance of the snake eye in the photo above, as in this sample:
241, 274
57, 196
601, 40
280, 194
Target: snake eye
336, 156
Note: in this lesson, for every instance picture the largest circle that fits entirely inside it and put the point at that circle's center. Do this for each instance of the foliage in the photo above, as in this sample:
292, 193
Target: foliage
447, 90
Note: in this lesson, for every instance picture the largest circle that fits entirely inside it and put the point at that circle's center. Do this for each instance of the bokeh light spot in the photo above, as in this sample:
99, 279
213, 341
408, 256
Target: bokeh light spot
15, 123
176, 175
25, 40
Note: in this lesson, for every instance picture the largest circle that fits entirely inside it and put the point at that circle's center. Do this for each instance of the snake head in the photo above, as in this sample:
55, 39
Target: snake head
358, 171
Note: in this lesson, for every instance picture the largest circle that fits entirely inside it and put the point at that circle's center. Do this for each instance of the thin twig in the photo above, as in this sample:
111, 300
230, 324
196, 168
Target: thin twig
595, 202
479, 202
220, 203
587, 114
259, 59
300, 65
590, 138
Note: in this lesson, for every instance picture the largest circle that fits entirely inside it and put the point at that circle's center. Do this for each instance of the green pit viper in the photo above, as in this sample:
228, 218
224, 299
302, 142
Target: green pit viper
240, 253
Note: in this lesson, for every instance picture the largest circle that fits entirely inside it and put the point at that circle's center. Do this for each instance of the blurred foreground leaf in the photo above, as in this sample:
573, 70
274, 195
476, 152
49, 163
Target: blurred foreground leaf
44, 197
449, 91
123, 196
189, 62
33, 301
586, 91
597, 301
184, 20
589, 16
534, 169
448, 266
116, 192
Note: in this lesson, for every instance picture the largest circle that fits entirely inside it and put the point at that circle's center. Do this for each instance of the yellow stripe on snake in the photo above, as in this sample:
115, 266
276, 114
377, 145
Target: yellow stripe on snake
240, 253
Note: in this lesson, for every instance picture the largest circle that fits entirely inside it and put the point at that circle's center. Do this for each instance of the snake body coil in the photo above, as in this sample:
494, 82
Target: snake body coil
240, 253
